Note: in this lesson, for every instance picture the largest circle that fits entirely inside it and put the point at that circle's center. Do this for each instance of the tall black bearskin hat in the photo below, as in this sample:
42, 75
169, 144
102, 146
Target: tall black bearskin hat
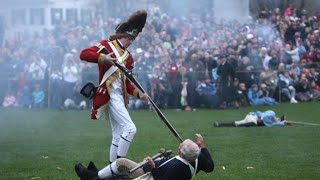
132, 27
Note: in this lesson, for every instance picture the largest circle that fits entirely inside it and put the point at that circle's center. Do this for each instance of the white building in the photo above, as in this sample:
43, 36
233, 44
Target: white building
31, 15
34, 15
231, 9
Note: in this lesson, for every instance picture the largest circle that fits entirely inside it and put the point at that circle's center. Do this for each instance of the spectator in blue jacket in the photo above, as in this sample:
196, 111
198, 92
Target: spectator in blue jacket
38, 96
257, 98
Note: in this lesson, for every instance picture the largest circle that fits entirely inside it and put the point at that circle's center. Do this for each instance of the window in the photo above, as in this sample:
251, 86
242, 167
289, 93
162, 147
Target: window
56, 15
86, 16
71, 16
19, 17
37, 16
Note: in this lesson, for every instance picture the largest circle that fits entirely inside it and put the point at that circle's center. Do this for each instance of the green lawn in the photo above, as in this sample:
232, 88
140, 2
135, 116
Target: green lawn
45, 144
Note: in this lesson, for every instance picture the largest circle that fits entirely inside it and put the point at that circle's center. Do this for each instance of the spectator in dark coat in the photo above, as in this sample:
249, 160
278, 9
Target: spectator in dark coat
226, 74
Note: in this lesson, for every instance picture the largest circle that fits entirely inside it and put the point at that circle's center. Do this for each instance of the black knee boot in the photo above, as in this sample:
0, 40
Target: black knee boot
223, 124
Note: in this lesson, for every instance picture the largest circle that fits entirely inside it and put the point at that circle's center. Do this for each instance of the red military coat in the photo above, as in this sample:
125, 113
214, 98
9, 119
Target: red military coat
102, 96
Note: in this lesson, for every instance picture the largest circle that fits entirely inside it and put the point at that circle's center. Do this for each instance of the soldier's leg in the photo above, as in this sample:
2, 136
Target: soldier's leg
116, 130
122, 124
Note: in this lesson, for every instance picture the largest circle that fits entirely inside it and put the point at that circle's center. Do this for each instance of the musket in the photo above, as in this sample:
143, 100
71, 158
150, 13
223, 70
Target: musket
302, 123
130, 76
164, 153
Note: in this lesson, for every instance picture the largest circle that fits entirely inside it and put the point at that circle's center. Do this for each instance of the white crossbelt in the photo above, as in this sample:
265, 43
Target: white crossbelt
192, 169
148, 175
120, 59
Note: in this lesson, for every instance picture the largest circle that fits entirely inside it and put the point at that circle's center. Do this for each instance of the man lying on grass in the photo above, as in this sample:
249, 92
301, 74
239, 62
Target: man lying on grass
193, 157
267, 118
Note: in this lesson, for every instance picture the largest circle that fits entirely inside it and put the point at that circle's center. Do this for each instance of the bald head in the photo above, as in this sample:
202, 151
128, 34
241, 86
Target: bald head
189, 150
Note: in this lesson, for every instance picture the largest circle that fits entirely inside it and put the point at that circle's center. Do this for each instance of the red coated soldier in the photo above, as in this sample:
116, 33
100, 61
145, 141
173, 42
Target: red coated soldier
111, 94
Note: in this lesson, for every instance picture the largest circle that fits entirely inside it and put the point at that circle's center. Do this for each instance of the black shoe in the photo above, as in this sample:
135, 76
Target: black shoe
85, 174
92, 167
79, 168
282, 118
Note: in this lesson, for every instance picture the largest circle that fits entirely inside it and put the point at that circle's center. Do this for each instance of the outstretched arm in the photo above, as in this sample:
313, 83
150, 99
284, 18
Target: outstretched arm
205, 161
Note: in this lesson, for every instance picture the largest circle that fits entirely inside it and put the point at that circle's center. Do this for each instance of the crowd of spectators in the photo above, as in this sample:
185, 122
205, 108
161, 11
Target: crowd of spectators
189, 61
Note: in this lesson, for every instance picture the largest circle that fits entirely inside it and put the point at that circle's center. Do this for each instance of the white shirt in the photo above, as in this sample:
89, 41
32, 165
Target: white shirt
70, 73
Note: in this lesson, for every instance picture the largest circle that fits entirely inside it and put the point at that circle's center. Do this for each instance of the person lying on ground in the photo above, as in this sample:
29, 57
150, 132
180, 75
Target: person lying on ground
267, 118
193, 157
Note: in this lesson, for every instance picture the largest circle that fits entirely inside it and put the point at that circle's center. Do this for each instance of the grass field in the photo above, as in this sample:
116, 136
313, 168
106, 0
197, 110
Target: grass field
45, 144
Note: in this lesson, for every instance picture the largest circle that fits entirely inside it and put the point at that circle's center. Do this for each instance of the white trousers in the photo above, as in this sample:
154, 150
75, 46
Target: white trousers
248, 119
123, 129
120, 120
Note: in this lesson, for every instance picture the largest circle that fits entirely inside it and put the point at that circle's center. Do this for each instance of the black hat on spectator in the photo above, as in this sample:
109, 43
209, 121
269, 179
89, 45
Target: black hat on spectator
263, 14
132, 27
